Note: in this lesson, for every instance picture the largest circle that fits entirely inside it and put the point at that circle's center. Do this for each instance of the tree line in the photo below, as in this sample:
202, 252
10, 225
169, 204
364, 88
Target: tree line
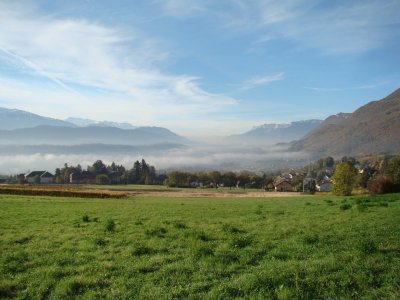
217, 179
140, 173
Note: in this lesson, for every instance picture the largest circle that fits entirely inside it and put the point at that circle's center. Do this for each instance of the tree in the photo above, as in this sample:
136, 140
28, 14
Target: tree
393, 169
98, 168
215, 177
178, 179
344, 179
102, 179
243, 179
229, 179
329, 162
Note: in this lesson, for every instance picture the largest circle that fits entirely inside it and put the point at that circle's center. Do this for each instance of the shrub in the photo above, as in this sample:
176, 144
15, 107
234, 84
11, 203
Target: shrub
110, 225
381, 185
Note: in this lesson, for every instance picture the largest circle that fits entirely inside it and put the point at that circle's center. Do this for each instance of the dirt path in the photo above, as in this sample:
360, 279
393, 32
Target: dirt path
213, 194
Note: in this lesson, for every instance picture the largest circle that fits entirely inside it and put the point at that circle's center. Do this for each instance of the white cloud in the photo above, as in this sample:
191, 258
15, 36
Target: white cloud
113, 70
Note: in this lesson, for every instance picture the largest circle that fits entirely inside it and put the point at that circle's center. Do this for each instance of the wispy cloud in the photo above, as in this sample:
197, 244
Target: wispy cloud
359, 87
258, 81
112, 68
324, 89
36, 68
340, 27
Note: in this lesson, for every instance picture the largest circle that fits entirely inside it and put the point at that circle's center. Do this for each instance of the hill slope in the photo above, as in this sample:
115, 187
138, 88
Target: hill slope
373, 128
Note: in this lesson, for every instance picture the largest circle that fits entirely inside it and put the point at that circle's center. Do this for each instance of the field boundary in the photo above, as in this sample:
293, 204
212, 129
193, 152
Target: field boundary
59, 192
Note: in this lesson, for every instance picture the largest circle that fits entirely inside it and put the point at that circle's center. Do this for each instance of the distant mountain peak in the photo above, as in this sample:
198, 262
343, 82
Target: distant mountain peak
81, 122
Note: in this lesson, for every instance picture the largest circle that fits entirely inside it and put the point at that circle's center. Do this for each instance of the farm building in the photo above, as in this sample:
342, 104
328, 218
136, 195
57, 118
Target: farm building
283, 185
44, 177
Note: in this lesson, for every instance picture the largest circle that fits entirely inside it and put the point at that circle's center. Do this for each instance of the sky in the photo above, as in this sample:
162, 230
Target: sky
198, 67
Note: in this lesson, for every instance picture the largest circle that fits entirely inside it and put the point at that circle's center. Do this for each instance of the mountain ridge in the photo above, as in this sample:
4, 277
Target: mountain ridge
272, 133
372, 128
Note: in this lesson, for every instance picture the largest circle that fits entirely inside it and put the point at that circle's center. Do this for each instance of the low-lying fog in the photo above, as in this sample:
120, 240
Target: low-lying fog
198, 157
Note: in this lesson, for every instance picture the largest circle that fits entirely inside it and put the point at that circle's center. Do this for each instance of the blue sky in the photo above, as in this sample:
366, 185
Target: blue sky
198, 67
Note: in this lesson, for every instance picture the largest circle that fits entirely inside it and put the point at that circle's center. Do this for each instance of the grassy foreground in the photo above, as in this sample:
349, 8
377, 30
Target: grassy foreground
161, 248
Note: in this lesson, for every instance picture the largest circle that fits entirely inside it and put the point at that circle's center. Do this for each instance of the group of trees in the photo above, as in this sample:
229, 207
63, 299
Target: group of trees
140, 173
379, 174
217, 179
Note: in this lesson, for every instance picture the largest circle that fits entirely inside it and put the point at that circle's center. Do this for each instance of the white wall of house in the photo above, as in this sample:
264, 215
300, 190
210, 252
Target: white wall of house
325, 187
46, 179
30, 179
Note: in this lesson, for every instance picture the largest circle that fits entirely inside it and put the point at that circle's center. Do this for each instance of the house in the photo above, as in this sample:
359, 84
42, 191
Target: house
85, 177
324, 185
283, 185
39, 177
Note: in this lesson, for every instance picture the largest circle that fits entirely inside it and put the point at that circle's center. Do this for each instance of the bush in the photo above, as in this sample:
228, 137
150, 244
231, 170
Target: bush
381, 185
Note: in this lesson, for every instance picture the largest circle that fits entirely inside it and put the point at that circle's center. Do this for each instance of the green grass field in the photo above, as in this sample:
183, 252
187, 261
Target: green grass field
318, 247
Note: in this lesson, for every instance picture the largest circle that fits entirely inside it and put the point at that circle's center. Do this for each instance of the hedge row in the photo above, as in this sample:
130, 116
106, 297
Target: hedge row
59, 193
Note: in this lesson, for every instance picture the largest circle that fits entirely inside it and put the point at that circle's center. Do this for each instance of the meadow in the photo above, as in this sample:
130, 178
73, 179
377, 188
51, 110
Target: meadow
319, 247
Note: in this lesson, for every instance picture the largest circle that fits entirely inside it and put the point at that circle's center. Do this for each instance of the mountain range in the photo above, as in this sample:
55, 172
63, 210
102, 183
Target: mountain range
88, 122
275, 133
373, 128
62, 135
16, 119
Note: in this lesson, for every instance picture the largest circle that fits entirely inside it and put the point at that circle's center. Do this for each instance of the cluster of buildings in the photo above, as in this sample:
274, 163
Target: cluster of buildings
84, 177
300, 183
39, 177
